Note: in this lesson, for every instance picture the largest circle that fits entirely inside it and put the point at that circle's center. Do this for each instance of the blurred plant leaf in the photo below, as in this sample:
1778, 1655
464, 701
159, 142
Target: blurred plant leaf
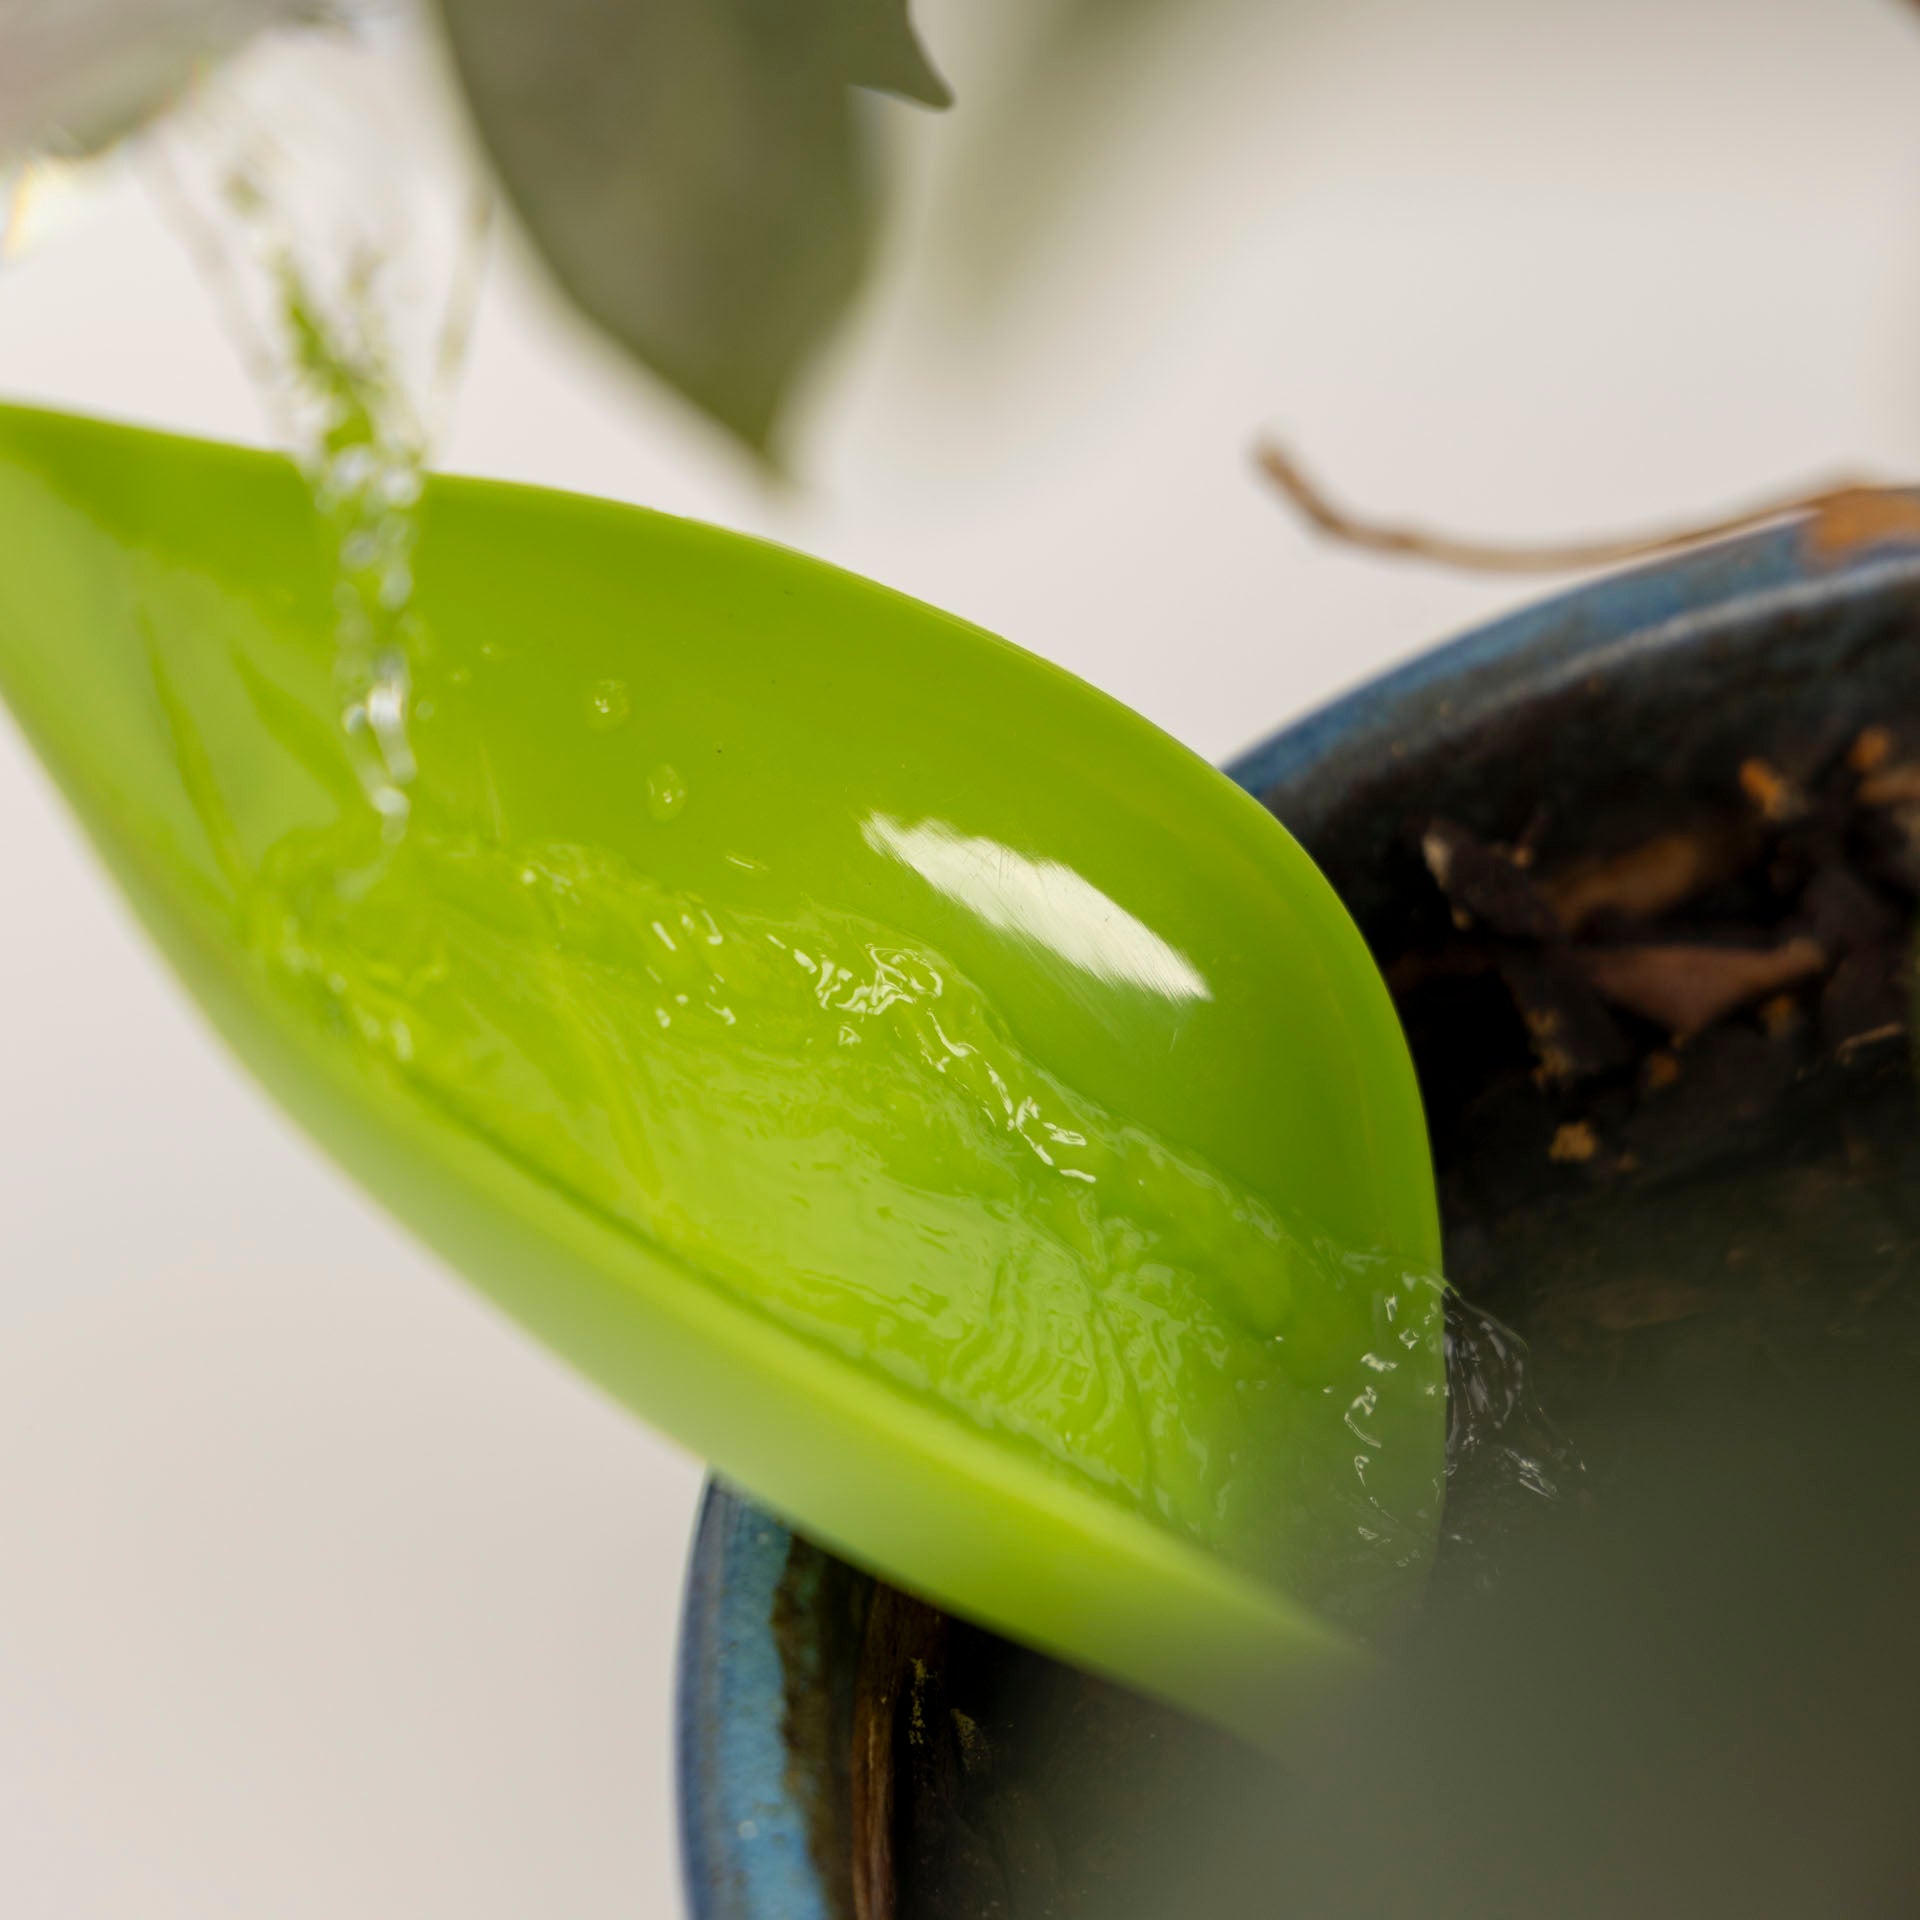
884, 52
1692, 1699
77, 74
694, 171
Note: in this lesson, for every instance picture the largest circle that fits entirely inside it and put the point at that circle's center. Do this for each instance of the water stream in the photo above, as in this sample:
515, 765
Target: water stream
345, 265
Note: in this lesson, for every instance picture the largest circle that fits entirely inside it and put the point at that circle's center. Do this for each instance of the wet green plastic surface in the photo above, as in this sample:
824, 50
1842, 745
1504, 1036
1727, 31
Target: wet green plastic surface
893, 1068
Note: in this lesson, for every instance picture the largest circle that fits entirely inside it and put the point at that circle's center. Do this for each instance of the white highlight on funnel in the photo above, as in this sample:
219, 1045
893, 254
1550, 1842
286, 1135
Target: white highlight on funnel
1041, 901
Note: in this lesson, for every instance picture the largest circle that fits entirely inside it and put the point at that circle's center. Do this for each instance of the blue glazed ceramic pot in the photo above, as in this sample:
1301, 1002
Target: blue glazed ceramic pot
1609, 708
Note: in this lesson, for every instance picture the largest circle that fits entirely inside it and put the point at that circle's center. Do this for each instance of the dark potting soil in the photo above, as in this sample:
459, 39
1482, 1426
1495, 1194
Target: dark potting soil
1675, 1124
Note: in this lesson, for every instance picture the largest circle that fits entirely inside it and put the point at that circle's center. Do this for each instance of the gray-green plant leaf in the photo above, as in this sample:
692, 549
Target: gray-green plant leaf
883, 51
74, 77
693, 171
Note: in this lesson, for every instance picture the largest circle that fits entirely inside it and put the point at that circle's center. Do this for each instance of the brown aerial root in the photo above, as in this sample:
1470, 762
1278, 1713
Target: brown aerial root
1845, 516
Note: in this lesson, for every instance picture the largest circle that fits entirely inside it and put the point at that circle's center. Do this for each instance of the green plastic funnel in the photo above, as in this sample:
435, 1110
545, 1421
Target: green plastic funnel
893, 1068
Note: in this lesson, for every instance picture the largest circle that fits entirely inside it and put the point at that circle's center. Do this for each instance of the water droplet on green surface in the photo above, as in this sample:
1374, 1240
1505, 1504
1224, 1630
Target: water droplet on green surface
609, 705
666, 793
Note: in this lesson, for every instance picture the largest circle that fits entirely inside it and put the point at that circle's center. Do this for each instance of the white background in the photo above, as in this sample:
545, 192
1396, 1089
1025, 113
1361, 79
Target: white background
323, 1593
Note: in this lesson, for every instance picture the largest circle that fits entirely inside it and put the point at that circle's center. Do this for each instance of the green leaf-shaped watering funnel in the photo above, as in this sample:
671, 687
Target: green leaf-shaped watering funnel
890, 1066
